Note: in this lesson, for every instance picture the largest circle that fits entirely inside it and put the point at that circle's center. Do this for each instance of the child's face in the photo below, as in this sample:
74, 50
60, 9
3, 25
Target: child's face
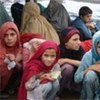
73, 43
87, 18
10, 38
98, 49
48, 57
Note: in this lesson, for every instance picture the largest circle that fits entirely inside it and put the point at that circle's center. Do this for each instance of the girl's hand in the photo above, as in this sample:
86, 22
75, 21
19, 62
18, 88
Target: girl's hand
61, 61
95, 67
11, 57
46, 76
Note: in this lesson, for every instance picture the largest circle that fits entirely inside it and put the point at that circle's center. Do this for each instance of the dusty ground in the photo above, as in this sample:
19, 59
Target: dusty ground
67, 95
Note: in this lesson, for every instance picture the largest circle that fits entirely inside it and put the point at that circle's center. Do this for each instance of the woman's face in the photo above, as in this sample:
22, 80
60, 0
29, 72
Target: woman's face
10, 38
98, 49
48, 57
73, 43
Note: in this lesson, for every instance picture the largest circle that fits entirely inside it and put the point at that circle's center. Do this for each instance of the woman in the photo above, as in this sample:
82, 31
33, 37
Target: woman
89, 71
37, 77
33, 22
57, 15
71, 54
10, 53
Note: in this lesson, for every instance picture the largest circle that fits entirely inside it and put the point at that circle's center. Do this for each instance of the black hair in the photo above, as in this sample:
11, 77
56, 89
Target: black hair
84, 11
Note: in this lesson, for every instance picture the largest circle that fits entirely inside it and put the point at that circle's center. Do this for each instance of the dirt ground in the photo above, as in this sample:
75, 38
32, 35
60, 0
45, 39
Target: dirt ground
66, 95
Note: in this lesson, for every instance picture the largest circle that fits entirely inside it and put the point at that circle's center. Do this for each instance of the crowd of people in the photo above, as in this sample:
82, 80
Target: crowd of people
43, 52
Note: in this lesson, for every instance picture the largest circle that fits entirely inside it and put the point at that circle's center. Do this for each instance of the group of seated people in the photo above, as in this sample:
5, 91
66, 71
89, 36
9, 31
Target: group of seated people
50, 53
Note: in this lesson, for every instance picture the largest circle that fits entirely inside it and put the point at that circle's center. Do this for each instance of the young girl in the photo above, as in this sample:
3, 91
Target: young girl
10, 53
89, 71
37, 77
71, 54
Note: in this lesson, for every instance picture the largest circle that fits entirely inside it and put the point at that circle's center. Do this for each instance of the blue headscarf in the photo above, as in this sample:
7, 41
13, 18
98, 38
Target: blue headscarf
95, 40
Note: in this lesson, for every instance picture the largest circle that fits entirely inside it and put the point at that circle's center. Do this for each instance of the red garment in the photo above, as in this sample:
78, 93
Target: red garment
67, 33
28, 36
87, 45
35, 66
4, 72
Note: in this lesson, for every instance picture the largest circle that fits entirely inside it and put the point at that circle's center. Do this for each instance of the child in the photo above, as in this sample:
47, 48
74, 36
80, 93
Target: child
37, 74
89, 71
10, 53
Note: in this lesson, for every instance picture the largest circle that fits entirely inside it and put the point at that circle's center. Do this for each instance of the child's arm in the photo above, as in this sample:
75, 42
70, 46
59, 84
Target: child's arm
32, 83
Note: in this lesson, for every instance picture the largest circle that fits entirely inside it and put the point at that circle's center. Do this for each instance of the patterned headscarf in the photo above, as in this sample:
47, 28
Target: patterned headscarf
67, 33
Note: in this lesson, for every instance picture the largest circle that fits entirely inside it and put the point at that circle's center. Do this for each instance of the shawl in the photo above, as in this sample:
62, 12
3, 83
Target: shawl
35, 66
33, 22
71, 54
95, 40
4, 72
57, 15
28, 36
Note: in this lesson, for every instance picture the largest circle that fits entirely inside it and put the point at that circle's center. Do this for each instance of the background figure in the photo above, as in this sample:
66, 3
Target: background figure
57, 15
89, 71
71, 55
83, 23
33, 22
29, 49
42, 64
16, 11
10, 54
4, 17
8, 3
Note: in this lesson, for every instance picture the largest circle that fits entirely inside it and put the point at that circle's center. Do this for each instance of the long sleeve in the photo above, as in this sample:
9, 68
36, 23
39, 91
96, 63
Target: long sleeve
85, 63
31, 83
81, 26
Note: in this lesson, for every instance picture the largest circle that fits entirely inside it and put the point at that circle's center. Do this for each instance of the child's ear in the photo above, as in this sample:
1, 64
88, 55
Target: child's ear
81, 16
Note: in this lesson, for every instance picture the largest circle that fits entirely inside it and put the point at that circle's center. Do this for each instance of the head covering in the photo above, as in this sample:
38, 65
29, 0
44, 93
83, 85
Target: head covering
57, 15
29, 44
95, 40
4, 28
32, 21
4, 72
67, 33
36, 66
28, 36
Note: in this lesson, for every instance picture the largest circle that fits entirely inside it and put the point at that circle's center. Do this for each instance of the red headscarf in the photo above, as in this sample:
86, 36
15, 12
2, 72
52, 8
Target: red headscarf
4, 72
35, 66
28, 36
67, 33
